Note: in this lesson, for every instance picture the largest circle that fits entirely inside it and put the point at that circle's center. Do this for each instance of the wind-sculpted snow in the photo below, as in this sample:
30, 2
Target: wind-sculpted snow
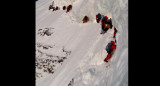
82, 44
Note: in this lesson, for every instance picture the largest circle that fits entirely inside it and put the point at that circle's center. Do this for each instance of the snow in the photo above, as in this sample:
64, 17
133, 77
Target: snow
85, 62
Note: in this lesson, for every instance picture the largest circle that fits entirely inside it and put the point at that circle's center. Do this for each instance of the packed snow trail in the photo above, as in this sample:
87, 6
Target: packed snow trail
86, 62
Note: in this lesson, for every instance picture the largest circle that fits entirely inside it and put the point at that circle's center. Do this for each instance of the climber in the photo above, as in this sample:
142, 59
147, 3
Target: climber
57, 8
64, 7
104, 19
110, 49
109, 22
98, 17
85, 19
69, 8
115, 31
105, 28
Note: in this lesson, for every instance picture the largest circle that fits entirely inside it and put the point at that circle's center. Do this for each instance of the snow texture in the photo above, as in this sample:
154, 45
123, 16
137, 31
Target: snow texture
71, 53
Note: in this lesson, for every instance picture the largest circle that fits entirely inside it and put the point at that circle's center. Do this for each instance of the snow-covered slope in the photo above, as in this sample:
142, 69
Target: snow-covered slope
81, 44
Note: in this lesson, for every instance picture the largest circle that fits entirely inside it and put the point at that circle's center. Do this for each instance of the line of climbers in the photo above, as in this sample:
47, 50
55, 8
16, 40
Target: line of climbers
106, 23
69, 7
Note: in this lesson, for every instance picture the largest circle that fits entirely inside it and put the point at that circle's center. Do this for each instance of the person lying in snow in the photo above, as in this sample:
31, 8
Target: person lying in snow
110, 48
85, 19
69, 8
98, 17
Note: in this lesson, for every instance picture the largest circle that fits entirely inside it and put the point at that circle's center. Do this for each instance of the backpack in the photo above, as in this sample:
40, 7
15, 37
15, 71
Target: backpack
106, 19
99, 16
110, 22
103, 20
108, 47
85, 18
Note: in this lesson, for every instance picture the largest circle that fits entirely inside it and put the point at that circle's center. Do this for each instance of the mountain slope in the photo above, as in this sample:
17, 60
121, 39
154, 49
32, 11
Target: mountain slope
85, 63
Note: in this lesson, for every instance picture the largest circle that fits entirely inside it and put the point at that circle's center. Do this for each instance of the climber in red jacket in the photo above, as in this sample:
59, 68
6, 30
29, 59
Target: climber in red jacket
115, 31
109, 48
85, 19
69, 8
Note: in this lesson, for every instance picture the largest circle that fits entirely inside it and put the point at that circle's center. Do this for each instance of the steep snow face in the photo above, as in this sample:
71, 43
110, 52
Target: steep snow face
118, 11
85, 63
119, 70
